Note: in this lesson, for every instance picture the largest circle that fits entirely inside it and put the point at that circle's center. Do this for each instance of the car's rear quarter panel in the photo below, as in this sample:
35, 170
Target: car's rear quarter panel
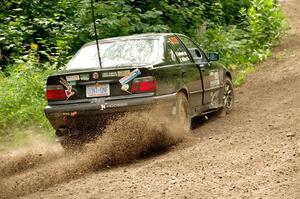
168, 79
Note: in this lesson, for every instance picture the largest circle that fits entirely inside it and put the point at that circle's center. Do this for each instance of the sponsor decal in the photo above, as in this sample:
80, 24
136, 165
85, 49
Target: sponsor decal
72, 114
72, 78
125, 80
73, 83
214, 74
110, 74
183, 56
123, 73
105, 106
125, 87
68, 90
116, 105
130, 76
214, 79
85, 77
214, 83
173, 40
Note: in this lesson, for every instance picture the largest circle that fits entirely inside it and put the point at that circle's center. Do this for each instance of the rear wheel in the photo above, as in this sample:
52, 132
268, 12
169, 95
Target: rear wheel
183, 115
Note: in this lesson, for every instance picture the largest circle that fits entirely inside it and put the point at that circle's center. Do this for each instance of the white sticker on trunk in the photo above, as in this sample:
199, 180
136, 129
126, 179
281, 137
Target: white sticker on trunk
123, 73
109, 74
72, 78
130, 76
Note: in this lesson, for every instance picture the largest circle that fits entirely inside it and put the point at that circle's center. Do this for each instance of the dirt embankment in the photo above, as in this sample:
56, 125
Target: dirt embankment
252, 153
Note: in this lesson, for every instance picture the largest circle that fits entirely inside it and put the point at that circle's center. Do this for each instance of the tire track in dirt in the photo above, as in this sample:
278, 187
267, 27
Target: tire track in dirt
13, 164
123, 141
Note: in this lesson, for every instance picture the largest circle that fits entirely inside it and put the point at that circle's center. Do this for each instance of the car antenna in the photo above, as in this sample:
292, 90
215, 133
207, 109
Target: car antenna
96, 36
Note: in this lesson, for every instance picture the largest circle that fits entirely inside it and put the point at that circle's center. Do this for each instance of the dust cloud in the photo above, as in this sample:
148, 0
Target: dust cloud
20, 161
123, 140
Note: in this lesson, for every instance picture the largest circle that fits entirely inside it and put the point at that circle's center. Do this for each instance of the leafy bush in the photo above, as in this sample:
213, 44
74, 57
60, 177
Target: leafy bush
125, 17
45, 23
22, 95
249, 41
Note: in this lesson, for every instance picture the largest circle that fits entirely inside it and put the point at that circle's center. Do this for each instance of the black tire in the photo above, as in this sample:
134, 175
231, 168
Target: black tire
228, 96
183, 114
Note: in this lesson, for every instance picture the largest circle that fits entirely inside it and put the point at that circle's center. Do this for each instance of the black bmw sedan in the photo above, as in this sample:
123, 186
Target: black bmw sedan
134, 73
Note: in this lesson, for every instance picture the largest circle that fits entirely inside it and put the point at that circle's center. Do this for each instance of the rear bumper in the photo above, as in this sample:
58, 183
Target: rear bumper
101, 109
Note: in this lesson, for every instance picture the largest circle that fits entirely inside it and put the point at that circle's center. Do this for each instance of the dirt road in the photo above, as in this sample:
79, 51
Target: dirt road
252, 153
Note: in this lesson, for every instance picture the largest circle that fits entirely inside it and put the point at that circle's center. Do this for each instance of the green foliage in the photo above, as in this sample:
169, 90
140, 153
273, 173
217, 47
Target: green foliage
124, 17
46, 23
22, 95
249, 41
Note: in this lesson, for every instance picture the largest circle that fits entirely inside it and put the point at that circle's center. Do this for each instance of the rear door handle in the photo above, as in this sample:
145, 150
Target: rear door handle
203, 65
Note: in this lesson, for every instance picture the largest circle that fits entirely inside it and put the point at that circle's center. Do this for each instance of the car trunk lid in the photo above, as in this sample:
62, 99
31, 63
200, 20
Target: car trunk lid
81, 86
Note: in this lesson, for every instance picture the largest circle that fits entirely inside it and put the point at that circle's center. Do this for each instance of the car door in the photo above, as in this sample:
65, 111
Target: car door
210, 73
190, 73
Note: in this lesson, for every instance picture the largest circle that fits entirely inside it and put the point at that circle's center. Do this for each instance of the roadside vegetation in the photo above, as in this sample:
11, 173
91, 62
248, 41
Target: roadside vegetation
38, 37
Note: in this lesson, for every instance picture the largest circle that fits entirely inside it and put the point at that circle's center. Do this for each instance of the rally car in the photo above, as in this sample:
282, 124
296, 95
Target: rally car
133, 73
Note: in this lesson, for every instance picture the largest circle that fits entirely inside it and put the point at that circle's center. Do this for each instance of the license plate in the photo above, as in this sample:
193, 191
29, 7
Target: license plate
97, 90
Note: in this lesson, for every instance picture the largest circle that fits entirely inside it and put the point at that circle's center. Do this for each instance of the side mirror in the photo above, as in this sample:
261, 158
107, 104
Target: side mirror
213, 56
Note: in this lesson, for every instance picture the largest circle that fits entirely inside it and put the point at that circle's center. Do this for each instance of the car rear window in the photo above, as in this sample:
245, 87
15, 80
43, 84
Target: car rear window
134, 52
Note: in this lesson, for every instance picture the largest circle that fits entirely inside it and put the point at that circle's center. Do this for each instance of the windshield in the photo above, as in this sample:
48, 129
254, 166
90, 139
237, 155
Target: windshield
137, 52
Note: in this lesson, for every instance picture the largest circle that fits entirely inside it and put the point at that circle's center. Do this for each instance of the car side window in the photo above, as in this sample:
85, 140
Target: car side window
170, 56
179, 50
194, 50
204, 57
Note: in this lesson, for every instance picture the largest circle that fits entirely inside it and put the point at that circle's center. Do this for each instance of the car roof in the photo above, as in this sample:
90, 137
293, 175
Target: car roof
136, 36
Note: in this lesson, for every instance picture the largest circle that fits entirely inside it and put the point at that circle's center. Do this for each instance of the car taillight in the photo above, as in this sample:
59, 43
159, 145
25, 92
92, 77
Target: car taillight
144, 85
56, 92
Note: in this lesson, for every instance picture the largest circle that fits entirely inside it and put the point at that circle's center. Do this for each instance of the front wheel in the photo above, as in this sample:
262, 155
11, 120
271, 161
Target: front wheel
228, 96
183, 115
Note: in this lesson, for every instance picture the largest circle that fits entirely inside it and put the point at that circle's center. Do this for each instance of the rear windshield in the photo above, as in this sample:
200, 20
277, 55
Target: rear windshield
137, 52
